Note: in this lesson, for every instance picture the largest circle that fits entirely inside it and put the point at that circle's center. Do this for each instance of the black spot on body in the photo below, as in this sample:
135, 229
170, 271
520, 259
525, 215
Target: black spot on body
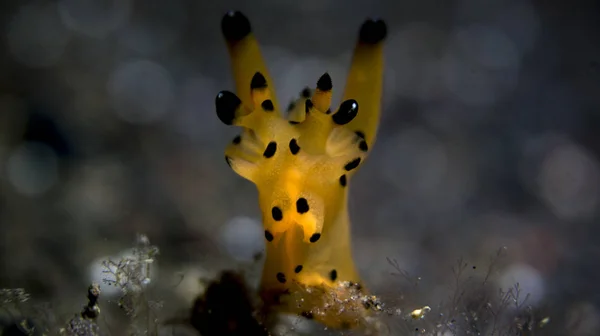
270, 150
343, 180
308, 105
328, 111
268, 235
315, 237
235, 26
258, 81
276, 214
362, 145
360, 134
347, 111
298, 269
294, 148
302, 205
281, 277
324, 83
333, 275
372, 32
227, 104
267, 105
306, 92
237, 140
307, 315
294, 122
352, 164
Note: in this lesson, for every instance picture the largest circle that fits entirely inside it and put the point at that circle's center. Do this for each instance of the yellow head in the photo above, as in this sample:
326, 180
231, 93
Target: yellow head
302, 166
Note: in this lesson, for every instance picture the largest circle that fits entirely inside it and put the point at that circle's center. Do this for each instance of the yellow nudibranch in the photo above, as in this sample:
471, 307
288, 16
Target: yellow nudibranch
302, 166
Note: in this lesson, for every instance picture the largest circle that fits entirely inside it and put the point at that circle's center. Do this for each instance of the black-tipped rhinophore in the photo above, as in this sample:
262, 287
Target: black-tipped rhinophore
372, 31
291, 106
347, 111
227, 104
258, 81
235, 26
324, 83
306, 92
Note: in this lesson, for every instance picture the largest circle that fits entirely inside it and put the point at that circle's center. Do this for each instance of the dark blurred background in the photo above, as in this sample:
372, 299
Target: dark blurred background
488, 140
